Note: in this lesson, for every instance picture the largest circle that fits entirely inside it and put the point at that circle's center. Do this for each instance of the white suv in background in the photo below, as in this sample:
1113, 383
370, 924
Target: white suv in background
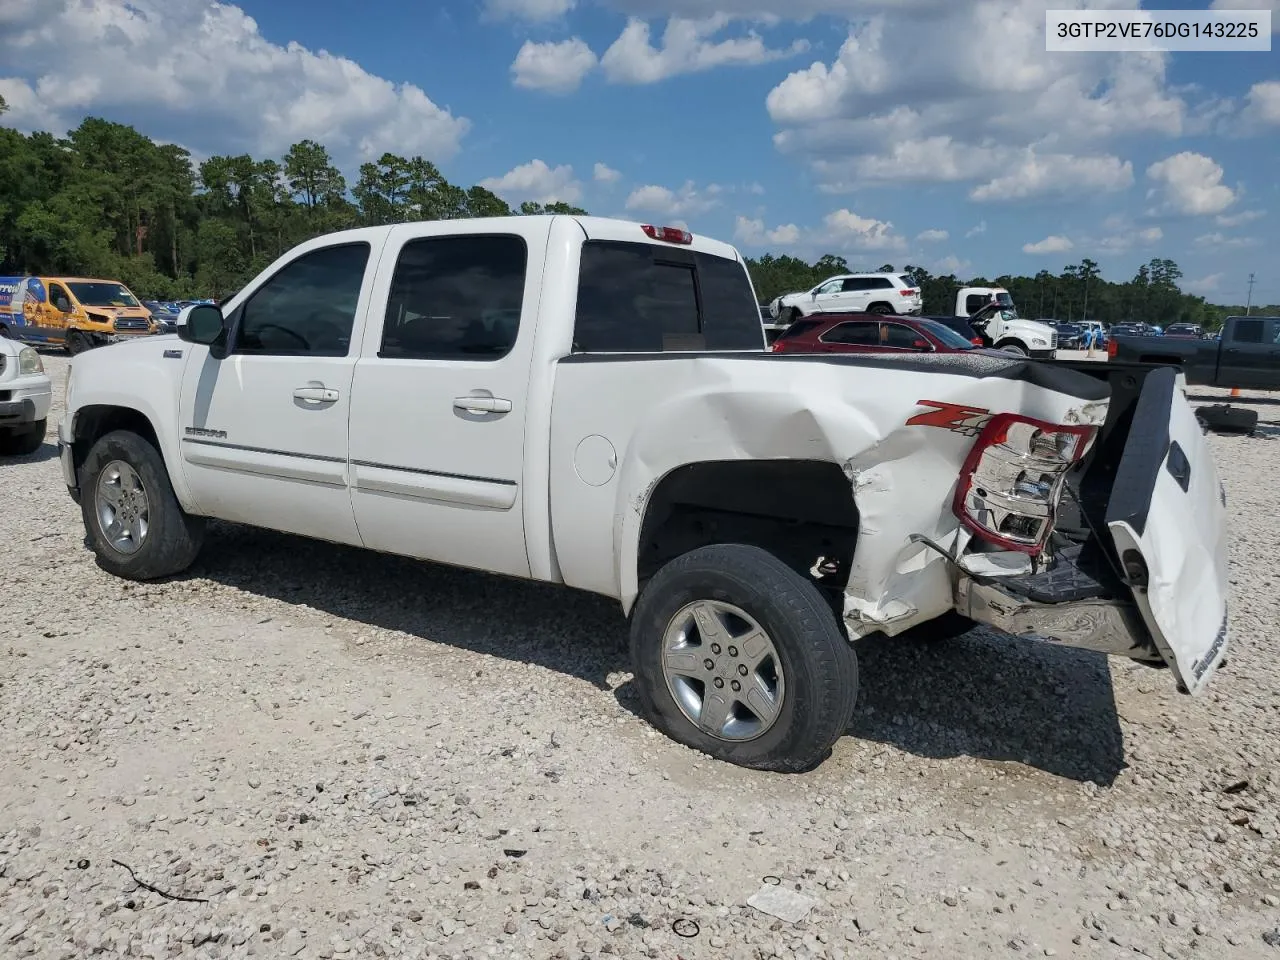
884, 293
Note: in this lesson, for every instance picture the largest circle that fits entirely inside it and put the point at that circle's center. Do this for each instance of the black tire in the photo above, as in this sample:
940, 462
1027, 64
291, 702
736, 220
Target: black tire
4, 332
77, 342
881, 309
1224, 418
1014, 347
793, 314
173, 538
24, 440
817, 659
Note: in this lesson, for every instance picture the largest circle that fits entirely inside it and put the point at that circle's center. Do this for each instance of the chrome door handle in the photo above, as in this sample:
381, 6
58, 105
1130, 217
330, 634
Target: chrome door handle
482, 404
316, 394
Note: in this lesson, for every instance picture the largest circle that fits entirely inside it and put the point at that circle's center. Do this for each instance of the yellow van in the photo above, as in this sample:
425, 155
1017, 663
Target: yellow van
72, 312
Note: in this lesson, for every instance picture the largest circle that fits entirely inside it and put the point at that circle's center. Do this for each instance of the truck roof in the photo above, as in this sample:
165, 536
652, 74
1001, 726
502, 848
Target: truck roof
595, 228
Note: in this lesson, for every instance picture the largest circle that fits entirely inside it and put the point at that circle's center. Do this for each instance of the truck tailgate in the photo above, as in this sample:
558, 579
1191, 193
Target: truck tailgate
1168, 519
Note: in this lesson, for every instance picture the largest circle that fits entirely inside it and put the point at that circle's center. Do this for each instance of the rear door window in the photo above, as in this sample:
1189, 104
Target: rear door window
1249, 331
455, 298
857, 332
642, 298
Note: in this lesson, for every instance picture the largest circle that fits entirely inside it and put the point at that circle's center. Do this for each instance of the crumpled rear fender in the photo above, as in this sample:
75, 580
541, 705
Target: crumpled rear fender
902, 476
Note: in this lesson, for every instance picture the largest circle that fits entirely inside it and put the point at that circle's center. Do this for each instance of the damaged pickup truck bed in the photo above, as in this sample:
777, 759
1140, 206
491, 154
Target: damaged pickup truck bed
589, 402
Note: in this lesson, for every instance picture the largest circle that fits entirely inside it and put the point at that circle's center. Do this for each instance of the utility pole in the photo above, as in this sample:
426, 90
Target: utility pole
1248, 304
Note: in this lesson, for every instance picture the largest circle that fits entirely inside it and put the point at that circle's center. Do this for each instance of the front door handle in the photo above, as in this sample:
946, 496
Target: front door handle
316, 394
482, 404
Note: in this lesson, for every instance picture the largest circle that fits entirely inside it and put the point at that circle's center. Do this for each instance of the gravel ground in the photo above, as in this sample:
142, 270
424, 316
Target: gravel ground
339, 754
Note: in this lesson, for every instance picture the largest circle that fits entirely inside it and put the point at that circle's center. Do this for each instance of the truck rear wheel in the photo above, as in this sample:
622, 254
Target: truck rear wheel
132, 518
738, 656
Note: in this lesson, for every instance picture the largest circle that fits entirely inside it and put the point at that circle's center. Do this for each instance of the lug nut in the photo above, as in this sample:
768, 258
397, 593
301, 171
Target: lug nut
718, 682
715, 648
736, 686
709, 663
733, 651
742, 669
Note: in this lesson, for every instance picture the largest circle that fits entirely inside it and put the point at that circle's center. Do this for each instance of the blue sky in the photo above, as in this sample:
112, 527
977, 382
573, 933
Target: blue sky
932, 132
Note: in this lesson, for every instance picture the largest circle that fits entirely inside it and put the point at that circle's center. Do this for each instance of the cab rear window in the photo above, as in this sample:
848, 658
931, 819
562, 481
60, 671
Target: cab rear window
647, 298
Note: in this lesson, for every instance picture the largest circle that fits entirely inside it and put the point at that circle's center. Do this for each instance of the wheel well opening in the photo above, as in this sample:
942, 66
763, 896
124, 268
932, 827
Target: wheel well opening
801, 511
94, 422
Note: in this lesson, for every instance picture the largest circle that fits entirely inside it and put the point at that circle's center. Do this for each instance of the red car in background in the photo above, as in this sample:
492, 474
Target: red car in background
869, 333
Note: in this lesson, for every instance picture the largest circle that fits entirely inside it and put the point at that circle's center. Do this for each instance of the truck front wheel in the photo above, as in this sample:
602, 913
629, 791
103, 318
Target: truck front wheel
738, 656
132, 518
1014, 347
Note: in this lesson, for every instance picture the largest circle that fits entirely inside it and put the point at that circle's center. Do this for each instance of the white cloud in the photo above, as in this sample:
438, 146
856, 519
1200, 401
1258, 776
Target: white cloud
554, 67
952, 264
753, 233
686, 202
1238, 219
977, 230
209, 65
1191, 183
905, 100
1230, 243
603, 173
1205, 285
1128, 239
932, 236
1062, 174
862, 233
1263, 102
1050, 244
686, 48
536, 181
1272, 5
532, 10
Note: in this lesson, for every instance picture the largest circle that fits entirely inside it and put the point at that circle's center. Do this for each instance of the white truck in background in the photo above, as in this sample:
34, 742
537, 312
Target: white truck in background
992, 314
589, 402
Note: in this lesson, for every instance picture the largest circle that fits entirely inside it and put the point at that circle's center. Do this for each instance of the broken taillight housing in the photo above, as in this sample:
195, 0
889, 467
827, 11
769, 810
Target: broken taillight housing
1012, 479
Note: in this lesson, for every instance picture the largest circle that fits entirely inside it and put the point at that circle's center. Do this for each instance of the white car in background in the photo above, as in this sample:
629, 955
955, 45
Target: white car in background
883, 293
25, 395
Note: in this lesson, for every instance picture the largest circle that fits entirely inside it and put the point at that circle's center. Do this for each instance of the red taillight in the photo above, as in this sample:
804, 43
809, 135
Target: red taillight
1112, 349
907, 293
667, 234
976, 341
1012, 479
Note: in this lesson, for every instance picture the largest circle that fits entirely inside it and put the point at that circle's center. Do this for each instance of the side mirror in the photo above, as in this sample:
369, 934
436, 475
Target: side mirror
201, 323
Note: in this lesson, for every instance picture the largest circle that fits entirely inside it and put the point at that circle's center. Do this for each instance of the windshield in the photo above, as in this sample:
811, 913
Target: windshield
103, 294
1007, 310
946, 335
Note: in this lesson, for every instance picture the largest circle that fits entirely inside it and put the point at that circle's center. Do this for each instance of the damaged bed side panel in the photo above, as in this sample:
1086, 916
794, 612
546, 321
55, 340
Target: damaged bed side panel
900, 434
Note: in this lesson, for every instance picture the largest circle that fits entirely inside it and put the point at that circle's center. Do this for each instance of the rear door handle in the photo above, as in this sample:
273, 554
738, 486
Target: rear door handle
482, 404
316, 394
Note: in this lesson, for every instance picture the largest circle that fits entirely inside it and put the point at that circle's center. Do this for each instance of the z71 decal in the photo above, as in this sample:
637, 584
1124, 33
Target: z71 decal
955, 417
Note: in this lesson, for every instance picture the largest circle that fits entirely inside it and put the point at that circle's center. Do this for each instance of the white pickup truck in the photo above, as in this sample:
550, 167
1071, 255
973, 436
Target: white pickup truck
589, 402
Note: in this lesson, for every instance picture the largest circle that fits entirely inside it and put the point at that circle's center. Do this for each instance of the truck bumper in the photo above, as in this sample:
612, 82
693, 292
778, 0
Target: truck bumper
68, 460
24, 405
1067, 605
1044, 354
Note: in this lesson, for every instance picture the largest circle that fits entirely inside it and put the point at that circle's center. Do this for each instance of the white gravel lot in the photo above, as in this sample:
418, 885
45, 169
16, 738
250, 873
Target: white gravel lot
342, 754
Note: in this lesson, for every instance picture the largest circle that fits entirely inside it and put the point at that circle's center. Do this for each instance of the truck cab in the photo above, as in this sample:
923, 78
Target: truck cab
992, 313
77, 313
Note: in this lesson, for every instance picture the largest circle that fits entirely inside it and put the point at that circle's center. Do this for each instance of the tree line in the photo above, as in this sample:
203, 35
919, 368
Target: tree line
108, 201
